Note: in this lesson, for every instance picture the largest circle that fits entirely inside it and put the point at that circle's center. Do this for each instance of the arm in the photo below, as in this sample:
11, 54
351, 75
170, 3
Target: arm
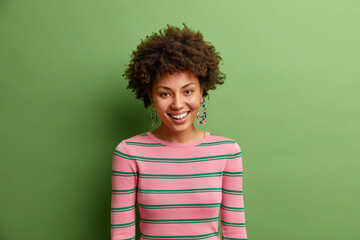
232, 204
123, 198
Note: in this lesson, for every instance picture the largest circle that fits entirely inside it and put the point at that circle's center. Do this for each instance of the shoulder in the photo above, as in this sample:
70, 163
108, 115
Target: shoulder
123, 145
225, 142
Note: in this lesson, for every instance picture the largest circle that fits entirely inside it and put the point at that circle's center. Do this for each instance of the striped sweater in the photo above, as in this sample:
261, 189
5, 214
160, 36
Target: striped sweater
180, 189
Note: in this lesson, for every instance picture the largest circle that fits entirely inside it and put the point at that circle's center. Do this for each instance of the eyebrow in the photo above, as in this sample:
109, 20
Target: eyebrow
170, 88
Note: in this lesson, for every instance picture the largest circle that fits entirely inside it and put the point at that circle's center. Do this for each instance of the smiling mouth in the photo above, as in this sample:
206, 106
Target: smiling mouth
181, 116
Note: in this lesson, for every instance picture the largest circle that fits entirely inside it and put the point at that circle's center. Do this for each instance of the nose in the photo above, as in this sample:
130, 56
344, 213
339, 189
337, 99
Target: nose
177, 102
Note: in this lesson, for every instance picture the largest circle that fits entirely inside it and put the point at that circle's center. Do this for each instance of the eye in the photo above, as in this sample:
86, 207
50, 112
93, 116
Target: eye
163, 94
188, 91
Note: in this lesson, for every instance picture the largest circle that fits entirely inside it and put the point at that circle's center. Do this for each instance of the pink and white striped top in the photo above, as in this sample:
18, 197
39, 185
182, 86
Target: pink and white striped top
180, 189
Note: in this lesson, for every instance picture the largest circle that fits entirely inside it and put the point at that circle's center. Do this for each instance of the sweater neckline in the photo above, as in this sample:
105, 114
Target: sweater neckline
175, 144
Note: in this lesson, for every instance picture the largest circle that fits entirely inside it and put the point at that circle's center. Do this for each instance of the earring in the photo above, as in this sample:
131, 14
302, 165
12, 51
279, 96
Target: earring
154, 116
202, 119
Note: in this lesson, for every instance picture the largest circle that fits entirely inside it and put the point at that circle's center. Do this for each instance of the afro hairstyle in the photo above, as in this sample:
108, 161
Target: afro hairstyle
173, 49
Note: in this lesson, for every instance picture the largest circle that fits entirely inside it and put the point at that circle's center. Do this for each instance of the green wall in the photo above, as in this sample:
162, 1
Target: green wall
291, 101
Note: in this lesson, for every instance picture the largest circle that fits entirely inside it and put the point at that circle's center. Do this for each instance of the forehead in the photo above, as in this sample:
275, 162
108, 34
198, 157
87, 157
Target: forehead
177, 79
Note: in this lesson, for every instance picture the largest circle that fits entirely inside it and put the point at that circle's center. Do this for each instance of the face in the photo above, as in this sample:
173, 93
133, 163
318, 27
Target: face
177, 100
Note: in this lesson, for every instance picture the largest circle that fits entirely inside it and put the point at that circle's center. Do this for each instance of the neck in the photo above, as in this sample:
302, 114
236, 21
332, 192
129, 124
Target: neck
190, 135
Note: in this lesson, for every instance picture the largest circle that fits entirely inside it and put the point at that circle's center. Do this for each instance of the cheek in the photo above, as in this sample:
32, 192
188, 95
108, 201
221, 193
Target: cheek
195, 104
196, 101
160, 107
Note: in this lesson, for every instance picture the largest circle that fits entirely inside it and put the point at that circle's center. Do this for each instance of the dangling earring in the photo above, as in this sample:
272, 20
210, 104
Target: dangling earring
202, 119
154, 116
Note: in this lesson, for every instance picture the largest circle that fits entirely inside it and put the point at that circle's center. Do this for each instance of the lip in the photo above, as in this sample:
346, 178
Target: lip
179, 121
178, 113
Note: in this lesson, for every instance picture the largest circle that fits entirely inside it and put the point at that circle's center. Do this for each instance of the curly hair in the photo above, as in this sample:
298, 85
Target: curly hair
173, 50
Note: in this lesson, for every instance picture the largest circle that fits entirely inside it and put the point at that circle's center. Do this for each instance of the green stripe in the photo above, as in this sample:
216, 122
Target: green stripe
177, 176
145, 144
230, 224
233, 238
170, 206
233, 174
126, 191
123, 209
180, 176
177, 160
233, 192
216, 143
178, 221
124, 225
124, 174
181, 237
178, 191
231, 209
133, 238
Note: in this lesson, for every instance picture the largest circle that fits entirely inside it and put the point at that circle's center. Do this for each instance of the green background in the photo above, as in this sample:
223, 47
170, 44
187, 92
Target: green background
290, 100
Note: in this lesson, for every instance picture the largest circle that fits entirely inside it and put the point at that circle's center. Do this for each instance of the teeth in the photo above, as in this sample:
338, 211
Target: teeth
180, 116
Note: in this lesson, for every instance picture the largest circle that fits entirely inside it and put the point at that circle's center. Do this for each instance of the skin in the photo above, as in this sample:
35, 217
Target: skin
170, 95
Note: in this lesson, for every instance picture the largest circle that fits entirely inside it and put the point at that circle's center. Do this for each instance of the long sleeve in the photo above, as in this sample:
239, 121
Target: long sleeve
232, 204
123, 198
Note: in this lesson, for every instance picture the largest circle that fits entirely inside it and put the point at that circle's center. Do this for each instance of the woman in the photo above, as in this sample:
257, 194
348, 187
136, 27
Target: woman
180, 176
